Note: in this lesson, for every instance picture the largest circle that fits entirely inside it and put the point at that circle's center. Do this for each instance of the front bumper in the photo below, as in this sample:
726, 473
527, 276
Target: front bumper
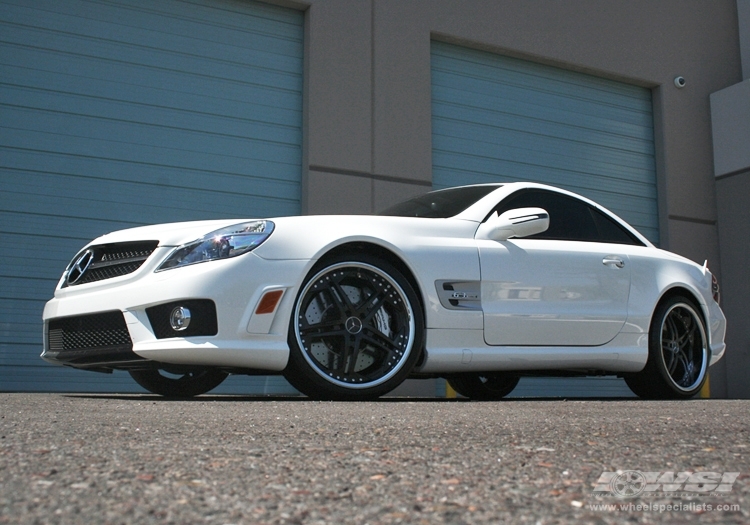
242, 338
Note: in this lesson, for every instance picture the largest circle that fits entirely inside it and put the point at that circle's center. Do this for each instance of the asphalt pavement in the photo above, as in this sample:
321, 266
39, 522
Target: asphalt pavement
122, 459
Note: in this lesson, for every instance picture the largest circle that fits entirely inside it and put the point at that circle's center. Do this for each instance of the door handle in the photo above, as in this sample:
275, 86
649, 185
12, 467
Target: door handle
613, 260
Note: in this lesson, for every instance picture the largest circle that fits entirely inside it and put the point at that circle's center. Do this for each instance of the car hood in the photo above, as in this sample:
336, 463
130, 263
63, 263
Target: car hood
303, 236
171, 234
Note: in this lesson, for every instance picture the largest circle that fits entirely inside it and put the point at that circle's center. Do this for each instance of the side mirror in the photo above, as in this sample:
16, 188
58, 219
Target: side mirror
521, 222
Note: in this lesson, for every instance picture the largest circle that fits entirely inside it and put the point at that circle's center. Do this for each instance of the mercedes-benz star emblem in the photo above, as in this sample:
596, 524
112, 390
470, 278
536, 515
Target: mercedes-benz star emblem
79, 267
354, 325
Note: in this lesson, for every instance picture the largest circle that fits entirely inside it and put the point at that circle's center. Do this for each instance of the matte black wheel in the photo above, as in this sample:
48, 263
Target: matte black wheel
485, 387
181, 384
678, 358
356, 330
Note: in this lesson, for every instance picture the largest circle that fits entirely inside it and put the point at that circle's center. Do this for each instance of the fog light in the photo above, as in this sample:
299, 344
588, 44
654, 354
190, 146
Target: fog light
179, 319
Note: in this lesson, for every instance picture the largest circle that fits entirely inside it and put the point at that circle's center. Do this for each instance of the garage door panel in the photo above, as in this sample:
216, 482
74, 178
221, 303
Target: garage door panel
464, 63
495, 170
30, 289
131, 112
552, 121
69, 197
528, 147
136, 204
80, 230
115, 117
192, 152
274, 69
26, 335
44, 249
66, 72
516, 162
565, 105
128, 161
502, 119
180, 16
20, 353
24, 170
121, 32
73, 180
241, 102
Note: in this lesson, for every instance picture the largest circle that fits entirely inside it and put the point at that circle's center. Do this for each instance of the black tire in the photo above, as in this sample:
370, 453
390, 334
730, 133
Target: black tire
677, 365
484, 387
182, 384
357, 330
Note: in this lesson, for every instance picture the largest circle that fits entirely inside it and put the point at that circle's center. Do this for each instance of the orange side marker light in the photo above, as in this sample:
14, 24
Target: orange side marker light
268, 303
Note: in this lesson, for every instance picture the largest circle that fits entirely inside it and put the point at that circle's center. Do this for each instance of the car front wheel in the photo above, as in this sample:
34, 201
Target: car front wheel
181, 383
677, 364
356, 331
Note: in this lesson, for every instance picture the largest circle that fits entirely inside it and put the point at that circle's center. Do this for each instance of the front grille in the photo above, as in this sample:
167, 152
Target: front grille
102, 330
90, 340
108, 261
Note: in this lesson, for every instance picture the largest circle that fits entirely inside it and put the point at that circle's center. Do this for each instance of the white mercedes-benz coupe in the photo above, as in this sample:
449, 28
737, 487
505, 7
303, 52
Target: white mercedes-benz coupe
477, 284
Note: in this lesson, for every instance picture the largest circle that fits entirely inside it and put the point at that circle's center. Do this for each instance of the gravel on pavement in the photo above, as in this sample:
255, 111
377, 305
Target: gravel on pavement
122, 459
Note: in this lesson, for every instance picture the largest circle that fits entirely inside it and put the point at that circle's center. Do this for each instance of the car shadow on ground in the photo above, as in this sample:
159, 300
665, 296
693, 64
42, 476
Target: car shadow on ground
227, 398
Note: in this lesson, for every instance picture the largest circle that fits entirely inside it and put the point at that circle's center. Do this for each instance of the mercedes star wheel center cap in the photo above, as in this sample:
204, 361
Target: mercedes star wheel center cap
354, 325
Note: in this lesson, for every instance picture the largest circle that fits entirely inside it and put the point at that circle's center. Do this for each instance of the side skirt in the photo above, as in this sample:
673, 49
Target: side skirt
456, 351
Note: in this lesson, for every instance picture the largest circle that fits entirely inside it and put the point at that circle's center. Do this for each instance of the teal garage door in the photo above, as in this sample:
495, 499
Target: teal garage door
501, 119
128, 112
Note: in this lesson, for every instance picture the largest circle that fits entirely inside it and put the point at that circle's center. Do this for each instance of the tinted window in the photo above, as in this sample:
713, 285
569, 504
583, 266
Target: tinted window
440, 204
610, 231
570, 218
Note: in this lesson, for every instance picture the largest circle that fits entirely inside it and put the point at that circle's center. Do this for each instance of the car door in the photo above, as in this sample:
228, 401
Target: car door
568, 286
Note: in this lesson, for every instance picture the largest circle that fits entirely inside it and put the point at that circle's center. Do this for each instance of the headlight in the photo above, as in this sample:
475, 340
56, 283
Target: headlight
221, 244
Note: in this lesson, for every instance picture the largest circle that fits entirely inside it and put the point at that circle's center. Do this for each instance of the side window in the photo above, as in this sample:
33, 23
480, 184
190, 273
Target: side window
610, 231
570, 219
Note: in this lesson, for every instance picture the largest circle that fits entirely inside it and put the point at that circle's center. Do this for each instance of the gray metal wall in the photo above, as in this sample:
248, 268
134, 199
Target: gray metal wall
730, 114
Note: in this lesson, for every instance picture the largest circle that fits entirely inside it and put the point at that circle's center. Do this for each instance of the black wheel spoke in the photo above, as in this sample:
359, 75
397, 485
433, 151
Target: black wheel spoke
322, 331
342, 299
371, 307
354, 324
688, 339
671, 327
330, 297
376, 339
683, 348
671, 362
688, 370
349, 356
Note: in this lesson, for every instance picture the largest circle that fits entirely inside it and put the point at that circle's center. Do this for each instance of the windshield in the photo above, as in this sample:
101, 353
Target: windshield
440, 204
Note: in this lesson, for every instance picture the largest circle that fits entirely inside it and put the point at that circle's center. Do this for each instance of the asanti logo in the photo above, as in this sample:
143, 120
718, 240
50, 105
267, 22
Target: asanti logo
632, 483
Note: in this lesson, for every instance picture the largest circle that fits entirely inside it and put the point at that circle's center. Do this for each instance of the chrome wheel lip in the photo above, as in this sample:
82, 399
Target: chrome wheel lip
674, 347
409, 312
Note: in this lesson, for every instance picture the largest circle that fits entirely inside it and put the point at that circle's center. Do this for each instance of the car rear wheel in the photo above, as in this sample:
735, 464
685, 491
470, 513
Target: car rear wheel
180, 384
484, 387
356, 331
677, 364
